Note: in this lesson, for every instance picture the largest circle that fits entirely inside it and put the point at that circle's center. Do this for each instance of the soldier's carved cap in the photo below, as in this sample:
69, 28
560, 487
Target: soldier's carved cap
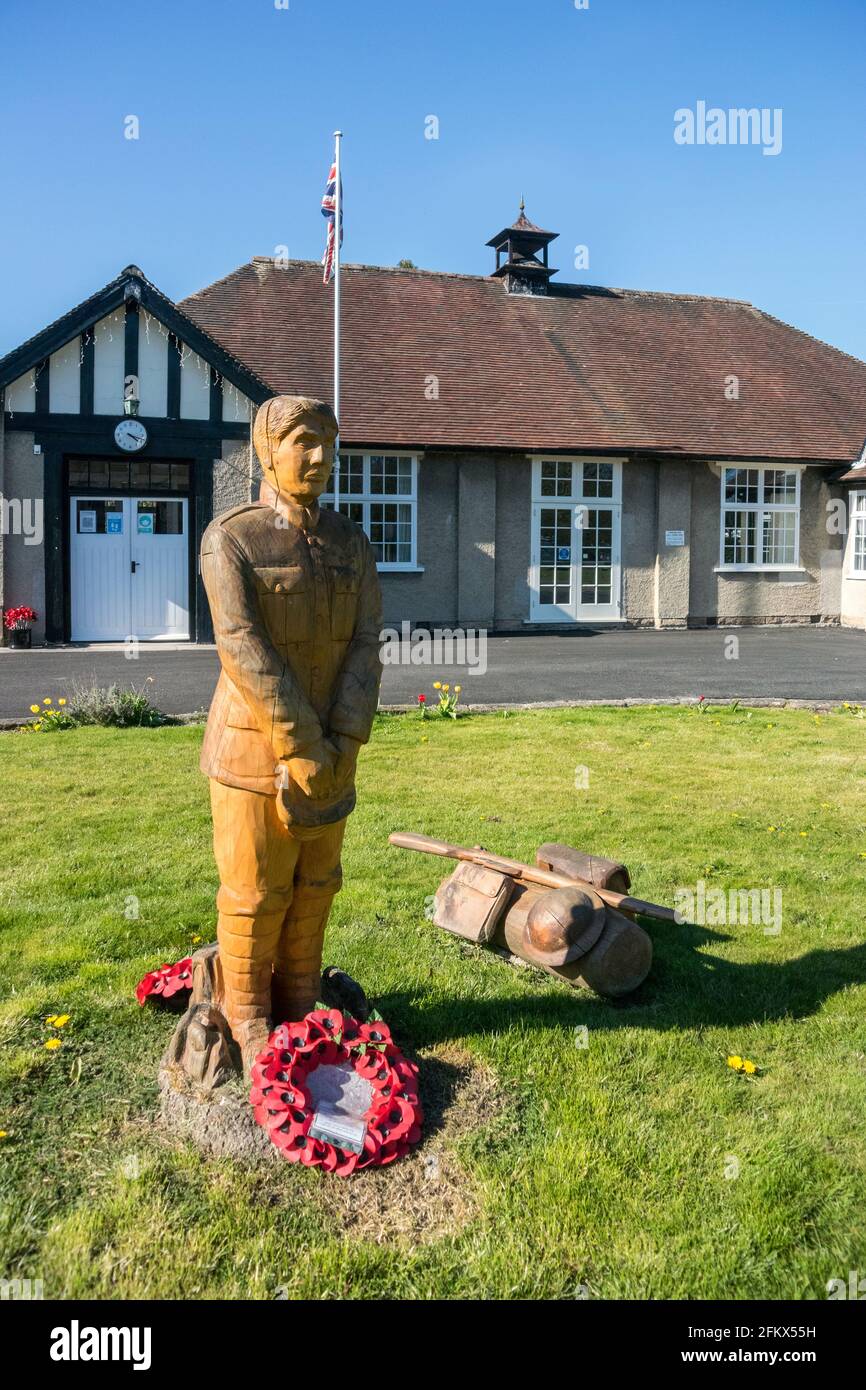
277, 416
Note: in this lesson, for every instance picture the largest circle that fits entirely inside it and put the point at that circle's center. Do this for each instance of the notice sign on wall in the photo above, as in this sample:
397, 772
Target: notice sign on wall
145, 523
675, 537
114, 523
87, 523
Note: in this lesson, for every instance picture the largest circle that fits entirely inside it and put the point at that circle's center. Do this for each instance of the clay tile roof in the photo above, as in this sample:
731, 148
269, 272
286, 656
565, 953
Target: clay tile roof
579, 369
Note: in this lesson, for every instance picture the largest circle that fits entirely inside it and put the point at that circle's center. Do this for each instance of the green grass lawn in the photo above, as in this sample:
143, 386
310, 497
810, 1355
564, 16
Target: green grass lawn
552, 1169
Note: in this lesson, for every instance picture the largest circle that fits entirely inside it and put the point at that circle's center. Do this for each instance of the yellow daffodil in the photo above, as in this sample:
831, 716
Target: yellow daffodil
34, 709
61, 701
53, 1044
437, 685
736, 1063
446, 687
749, 1067
47, 701
457, 689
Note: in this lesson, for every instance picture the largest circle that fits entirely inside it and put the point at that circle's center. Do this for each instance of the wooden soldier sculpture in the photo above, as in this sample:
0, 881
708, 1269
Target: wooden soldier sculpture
296, 607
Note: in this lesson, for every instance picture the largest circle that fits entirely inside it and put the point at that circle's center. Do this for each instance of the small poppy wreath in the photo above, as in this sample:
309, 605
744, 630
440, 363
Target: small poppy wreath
282, 1102
166, 981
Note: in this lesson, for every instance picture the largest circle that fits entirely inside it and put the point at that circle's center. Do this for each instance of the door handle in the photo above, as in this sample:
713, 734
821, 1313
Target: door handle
133, 566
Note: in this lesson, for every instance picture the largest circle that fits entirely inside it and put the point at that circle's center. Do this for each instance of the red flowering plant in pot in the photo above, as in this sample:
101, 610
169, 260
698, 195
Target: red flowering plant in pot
336, 1094
18, 622
165, 983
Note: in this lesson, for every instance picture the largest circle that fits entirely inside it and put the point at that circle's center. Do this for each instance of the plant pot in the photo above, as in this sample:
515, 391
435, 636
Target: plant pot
20, 637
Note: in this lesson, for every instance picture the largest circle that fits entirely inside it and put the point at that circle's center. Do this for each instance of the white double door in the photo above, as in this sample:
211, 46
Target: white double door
575, 548
129, 568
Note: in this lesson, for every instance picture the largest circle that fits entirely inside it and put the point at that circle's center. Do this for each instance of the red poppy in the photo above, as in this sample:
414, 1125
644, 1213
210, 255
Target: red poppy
166, 981
376, 1032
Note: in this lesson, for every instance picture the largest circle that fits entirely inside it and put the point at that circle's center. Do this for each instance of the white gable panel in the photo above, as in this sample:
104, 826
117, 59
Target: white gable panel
64, 380
152, 366
108, 360
21, 394
236, 407
194, 387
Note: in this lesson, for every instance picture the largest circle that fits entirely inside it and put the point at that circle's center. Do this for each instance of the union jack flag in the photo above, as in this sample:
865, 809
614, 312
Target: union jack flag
329, 211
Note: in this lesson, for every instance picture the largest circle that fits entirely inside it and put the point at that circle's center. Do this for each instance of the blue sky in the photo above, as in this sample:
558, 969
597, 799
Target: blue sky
237, 100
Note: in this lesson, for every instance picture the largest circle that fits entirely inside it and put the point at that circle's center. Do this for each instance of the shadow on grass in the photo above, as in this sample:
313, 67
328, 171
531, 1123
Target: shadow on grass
685, 989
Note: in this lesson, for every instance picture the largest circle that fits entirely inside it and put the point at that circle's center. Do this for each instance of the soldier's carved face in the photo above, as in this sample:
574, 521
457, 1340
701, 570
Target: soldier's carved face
303, 459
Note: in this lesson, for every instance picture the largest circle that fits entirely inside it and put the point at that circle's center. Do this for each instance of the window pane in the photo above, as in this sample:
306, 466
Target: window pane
141, 474
160, 475
179, 477
159, 518
739, 538
779, 528
92, 516
99, 473
860, 545
780, 485
79, 474
741, 484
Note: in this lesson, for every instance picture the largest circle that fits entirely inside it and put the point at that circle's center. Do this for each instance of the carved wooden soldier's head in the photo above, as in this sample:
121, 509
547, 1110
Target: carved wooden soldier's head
294, 438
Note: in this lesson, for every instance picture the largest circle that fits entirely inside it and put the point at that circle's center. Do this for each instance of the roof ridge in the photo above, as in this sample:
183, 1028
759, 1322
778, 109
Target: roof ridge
484, 279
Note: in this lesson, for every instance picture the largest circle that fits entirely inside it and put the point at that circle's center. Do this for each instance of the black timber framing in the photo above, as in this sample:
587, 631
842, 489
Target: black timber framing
130, 339
131, 287
43, 386
172, 408
55, 546
87, 358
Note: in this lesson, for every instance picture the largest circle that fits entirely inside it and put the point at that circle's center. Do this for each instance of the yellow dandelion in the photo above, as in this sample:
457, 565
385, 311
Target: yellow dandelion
845, 704
51, 1018
736, 1063
53, 1044
34, 709
424, 740
47, 701
196, 940
863, 854
61, 1020
4, 1134
803, 834
749, 1067
771, 829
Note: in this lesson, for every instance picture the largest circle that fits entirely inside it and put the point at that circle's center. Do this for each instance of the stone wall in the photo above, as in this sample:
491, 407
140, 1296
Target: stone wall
23, 565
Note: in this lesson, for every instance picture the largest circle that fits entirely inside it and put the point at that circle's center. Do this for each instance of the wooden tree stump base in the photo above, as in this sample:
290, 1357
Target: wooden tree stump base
202, 1053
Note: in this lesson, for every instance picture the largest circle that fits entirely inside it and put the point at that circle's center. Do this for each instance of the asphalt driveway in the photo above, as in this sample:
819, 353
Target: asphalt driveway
766, 663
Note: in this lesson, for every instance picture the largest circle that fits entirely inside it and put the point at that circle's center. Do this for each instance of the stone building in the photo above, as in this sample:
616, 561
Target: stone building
523, 453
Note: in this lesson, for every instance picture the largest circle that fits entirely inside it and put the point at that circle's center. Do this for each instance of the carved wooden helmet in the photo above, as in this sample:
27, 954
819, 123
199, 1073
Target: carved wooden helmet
563, 925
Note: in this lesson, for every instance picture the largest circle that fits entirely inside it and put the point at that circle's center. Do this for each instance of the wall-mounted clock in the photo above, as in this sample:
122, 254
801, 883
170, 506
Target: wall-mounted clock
130, 435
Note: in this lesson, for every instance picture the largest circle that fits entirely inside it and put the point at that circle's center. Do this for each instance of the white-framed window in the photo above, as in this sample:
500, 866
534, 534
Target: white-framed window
576, 480
857, 505
380, 493
760, 527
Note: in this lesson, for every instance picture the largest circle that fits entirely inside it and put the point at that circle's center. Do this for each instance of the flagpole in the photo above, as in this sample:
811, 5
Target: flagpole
338, 227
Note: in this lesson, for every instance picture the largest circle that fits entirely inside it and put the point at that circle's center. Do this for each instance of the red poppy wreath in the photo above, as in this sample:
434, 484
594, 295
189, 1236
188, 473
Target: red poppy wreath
166, 981
336, 1094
